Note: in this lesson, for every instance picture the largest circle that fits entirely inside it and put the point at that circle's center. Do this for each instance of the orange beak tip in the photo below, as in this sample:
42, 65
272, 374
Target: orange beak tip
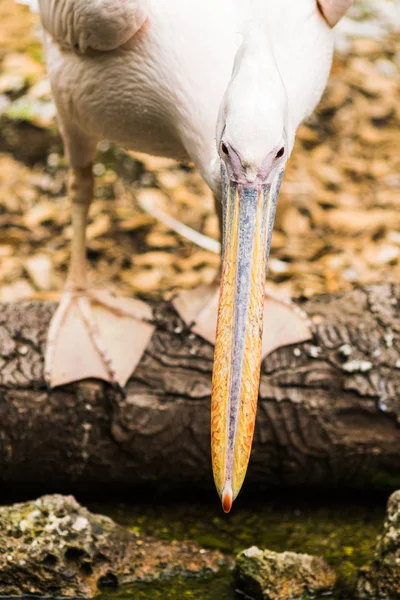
227, 500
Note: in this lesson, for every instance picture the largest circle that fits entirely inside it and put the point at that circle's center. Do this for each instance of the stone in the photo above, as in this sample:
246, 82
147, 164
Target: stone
381, 578
267, 575
54, 547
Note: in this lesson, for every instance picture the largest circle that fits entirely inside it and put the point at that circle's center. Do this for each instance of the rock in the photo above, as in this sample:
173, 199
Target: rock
267, 575
381, 578
55, 547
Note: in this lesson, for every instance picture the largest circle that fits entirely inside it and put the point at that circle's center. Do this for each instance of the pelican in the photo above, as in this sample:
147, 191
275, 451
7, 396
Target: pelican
224, 84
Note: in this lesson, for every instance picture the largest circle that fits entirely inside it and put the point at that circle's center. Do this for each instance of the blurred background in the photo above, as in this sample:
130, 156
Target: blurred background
338, 221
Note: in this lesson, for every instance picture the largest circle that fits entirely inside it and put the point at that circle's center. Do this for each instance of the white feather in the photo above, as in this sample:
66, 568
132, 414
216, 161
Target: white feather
162, 93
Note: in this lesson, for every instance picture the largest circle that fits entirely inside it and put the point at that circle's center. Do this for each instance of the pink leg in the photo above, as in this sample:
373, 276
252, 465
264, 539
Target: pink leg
92, 333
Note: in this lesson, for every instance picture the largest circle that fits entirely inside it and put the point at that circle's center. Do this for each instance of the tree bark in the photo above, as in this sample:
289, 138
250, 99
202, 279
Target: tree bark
328, 411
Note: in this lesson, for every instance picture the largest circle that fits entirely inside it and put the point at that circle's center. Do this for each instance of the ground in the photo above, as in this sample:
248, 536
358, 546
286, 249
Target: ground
338, 222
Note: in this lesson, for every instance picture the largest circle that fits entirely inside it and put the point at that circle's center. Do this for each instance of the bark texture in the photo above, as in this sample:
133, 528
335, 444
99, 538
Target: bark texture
328, 413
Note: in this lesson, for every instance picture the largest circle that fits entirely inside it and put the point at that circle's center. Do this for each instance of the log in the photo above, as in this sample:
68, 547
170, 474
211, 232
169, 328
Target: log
328, 413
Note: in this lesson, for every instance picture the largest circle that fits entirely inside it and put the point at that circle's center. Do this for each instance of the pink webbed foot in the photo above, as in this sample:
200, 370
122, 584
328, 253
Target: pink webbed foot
284, 322
96, 335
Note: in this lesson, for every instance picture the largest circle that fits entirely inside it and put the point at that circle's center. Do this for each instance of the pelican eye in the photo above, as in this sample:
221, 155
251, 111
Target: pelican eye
280, 153
224, 149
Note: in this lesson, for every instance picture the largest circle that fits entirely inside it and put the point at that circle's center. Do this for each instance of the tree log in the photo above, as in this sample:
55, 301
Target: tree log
328, 413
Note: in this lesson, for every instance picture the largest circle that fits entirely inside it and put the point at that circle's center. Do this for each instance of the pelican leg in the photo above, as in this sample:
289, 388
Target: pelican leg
92, 333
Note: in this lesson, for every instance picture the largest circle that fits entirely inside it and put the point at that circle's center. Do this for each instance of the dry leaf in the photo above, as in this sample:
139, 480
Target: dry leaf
39, 270
338, 219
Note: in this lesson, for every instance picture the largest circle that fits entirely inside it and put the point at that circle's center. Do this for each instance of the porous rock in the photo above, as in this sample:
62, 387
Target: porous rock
55, 547
381, 578
267, 575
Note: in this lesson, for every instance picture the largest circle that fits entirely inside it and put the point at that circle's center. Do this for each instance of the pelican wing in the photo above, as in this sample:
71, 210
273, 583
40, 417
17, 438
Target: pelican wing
333, 10
95, 24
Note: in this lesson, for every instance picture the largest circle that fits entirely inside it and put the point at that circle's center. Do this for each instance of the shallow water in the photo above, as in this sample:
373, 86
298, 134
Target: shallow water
212, 588
342, 528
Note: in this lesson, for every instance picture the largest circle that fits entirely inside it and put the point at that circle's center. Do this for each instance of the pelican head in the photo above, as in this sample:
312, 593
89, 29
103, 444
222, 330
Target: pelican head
254, 141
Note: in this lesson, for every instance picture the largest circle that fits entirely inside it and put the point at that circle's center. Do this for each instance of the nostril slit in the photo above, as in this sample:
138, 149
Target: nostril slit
224, 149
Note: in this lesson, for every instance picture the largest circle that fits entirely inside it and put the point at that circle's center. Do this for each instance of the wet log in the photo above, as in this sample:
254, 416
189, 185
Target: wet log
328, 413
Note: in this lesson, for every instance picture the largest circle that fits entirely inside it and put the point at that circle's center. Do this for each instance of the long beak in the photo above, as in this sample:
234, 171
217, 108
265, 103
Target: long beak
248, 219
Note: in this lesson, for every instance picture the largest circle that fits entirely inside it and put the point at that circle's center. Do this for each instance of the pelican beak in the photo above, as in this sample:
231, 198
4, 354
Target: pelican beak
248, 219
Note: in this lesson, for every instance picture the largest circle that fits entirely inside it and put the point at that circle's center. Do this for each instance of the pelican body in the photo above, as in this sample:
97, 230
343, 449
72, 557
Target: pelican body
223, 84
160, 92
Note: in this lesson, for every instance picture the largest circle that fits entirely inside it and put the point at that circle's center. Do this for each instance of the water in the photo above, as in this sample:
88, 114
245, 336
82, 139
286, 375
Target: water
342, 528
212, 588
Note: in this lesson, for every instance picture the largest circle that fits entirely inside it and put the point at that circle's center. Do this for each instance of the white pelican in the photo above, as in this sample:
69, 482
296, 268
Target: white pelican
224, 84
